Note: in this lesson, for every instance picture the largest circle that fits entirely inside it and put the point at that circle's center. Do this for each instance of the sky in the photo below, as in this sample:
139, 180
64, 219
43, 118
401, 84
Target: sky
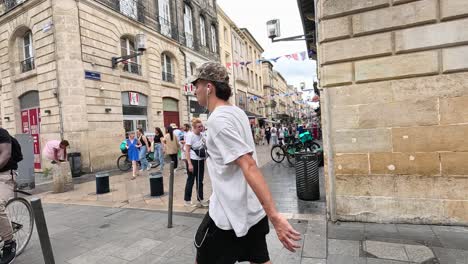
253, 15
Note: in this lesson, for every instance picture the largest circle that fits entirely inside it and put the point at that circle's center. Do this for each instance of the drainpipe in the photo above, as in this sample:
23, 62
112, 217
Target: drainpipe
186, 75
57, 91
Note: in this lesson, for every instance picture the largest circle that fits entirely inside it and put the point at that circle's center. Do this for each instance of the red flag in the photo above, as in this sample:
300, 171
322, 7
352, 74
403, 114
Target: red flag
228, 65
295, 56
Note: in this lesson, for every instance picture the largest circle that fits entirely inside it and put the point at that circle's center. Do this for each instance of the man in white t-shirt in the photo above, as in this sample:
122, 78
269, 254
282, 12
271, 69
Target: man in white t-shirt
241, 203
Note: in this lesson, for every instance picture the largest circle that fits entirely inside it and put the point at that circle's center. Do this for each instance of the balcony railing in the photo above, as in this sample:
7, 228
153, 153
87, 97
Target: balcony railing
134, 9
132, 67
168, 77
167, 28
27, 64
7, 5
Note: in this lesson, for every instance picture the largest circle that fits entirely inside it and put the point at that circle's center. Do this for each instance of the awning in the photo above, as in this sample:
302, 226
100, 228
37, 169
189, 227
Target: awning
271, 121
251, 115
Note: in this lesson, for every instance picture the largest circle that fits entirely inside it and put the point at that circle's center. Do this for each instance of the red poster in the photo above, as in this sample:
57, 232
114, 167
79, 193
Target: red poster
35, 131
25, 121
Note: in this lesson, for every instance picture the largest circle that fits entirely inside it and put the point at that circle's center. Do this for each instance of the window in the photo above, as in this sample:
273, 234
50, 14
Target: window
128, 48
129, 8
193, 68
27, 62
165, 17
226, 36
214, 43
167, 71
202, 31
188, 26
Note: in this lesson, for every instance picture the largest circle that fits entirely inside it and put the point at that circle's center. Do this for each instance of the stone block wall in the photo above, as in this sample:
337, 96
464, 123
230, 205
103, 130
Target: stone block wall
397, 75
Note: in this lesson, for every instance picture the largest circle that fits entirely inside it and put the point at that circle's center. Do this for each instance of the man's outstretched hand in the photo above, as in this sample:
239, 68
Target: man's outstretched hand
286, 233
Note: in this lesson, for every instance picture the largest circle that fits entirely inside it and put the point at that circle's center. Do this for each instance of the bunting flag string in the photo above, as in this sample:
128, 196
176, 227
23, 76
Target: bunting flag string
299, 56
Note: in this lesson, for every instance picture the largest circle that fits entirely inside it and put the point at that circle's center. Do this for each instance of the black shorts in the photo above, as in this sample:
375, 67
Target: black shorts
217, 246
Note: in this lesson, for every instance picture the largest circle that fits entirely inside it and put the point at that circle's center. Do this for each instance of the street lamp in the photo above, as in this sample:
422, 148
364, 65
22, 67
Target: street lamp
273, 28
140, 44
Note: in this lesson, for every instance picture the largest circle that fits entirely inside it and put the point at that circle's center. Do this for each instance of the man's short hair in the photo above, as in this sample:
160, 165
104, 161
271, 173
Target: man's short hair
65, 143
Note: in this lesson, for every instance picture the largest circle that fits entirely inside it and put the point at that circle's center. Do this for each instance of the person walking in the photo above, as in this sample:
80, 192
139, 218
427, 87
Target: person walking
144, 148
171, 146
8, 252
241, 204
268, 134
274, 135
185, 130
195, 154
281, 131
159, 147
262, 135
132, 151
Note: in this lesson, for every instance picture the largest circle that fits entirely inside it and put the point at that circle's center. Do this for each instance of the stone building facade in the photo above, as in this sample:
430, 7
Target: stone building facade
395, 82
57, 79
238, 46
273, 85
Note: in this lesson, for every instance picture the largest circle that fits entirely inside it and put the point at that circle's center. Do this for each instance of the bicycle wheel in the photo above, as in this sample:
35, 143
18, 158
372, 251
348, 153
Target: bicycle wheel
291, 149
20, 213
277, 153
123, 163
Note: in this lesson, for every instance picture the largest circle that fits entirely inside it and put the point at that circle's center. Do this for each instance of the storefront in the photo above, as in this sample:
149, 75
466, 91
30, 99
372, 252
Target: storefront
135, 111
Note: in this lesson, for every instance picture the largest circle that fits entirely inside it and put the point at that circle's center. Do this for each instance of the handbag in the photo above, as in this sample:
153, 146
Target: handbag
200, 152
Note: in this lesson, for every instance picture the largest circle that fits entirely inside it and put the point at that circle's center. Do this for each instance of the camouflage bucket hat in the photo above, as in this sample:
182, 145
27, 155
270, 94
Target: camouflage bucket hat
211, 71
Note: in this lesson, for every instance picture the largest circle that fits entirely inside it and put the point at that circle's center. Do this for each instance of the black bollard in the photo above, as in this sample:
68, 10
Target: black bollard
41, 227
171, 196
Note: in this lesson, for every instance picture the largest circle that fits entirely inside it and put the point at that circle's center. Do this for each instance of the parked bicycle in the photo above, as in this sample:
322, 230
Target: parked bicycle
292, 146
20, 213
124, 164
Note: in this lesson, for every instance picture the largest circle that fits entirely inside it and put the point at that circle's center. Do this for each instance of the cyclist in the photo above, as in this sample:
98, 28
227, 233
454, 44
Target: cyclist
8, 253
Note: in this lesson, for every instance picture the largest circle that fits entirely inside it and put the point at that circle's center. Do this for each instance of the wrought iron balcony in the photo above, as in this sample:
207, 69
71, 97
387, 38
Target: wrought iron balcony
167, 28
27, 64
134, 9
7, 5
168, 77
132, 67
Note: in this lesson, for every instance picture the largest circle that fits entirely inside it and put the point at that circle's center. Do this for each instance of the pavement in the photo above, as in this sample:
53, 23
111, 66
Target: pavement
129, 226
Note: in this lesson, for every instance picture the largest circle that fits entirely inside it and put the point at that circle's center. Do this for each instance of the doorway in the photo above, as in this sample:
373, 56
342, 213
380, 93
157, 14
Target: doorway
31, 122
171, 112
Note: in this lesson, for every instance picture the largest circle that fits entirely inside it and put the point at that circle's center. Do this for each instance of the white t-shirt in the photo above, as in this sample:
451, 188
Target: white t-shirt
233, 204
196, 142
281, 132
273, 132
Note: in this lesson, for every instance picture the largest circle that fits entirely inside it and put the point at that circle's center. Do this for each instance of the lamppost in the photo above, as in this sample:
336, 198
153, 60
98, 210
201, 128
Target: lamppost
273, 28
140, 43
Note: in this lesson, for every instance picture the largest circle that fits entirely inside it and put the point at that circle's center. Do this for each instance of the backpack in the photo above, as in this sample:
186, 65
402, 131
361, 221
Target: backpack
16, 155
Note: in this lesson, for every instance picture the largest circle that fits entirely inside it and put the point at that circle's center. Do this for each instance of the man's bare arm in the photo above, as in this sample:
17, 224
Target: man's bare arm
286, 234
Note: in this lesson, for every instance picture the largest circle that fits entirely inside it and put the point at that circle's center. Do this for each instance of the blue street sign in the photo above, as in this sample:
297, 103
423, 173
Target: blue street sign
93, 75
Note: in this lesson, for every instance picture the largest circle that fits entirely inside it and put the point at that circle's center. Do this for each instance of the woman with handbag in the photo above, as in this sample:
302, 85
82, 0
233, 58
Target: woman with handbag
196, 154
159, 147
171, 146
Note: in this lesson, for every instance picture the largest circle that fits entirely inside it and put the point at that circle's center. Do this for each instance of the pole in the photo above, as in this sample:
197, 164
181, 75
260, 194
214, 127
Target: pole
41, 227
171, 196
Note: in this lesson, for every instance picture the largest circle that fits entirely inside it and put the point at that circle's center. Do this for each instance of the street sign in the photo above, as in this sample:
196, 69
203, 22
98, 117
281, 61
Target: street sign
90, 75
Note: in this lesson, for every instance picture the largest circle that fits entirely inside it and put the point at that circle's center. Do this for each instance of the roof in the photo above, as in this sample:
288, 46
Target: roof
249, 35
307, 12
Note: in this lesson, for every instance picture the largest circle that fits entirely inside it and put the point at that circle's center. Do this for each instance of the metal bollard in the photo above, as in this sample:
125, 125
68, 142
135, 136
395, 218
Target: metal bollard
171, 196
41, 227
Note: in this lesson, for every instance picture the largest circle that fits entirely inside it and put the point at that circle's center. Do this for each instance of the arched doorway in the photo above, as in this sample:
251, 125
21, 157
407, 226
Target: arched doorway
171, 111
135, 111
31, 122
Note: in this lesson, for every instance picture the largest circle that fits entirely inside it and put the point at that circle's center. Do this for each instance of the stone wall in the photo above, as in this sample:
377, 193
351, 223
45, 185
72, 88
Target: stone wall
397, 75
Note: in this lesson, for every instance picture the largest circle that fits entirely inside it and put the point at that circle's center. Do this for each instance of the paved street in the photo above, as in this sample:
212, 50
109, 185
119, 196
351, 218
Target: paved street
128, 226
127, 193
90, 234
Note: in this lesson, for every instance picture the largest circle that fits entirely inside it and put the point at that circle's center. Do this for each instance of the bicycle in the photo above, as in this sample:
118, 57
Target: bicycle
20, 213
124, 164
288, 150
